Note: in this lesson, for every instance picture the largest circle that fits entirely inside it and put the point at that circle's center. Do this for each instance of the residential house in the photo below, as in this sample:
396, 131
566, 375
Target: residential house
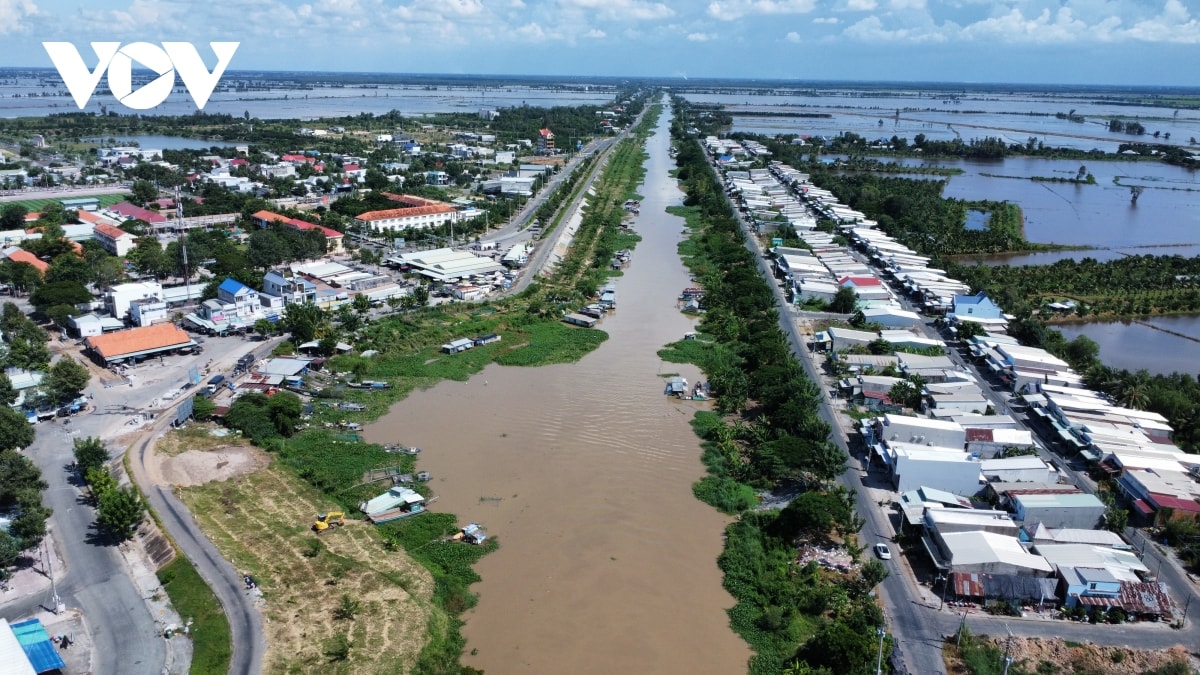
545, 142
978, 306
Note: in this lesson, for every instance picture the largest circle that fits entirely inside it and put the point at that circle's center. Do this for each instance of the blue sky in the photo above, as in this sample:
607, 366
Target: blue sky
1154, 42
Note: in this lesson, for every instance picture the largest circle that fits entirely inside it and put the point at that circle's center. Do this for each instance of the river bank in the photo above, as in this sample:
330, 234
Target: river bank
584, 473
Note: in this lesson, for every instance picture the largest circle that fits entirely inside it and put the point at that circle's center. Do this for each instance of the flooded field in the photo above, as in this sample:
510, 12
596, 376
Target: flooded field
1160, 344
607, 563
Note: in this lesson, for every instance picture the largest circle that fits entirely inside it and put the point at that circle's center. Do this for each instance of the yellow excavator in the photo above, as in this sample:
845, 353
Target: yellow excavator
326, 520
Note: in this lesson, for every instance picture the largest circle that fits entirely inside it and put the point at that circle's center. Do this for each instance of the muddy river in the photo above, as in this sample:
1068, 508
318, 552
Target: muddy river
607, 563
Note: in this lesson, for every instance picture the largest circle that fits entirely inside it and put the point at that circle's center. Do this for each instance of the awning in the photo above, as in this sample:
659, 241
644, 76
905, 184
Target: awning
35, 642
1142, 507
1097, 601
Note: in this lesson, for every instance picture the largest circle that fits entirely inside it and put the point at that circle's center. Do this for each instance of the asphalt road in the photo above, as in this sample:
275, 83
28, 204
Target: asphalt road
245, 622
918, 626
124, 636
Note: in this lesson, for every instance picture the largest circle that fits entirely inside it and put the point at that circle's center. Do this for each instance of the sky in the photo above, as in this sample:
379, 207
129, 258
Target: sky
1078, 42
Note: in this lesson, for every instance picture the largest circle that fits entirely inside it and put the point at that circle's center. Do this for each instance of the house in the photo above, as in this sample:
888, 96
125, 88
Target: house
118, 298
1026, 469
545, 142
916, 430
891, 317
978, 306
148, 311
459, 345
845, 338
580, 320
487, 339
114, 240
1081, 510
942, 468
985, 553
291, 289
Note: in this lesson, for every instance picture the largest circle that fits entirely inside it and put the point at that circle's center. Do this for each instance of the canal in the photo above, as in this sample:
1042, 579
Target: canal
584, 473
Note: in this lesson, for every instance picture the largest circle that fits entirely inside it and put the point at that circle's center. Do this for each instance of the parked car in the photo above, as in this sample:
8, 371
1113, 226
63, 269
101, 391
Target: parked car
883, 551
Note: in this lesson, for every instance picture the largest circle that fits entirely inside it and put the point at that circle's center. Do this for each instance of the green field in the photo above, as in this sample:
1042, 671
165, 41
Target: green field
35, 205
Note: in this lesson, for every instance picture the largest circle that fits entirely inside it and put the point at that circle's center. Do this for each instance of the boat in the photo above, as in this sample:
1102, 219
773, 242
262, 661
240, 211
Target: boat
471, 534
396, 503
402, 449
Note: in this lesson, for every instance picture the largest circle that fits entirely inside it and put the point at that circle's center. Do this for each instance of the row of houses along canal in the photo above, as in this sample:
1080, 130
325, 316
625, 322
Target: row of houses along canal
607, 563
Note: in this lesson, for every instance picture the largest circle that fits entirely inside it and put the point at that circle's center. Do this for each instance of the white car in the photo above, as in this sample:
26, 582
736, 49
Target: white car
883, 551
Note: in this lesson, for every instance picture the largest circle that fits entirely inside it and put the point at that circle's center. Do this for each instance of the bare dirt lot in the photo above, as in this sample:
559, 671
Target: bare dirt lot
1061, 657
196, 467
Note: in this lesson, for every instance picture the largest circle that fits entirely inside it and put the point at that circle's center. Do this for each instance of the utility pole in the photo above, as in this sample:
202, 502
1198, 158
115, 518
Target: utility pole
187, 274
879, 658
54, 599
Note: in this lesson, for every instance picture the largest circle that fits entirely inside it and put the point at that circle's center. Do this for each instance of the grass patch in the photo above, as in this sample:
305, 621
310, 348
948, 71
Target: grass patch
554, 343
194, 600
695, 352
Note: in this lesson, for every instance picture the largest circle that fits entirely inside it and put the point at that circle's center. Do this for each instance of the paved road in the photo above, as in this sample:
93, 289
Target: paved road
917, 625
245, 623
124, 635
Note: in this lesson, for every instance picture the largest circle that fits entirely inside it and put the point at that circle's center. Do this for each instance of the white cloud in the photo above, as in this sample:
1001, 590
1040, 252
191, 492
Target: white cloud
595, 34
871, 29
13, 13
861, 5
793, 37
830, 20
1173, 25
906, 5
730, 10
701, 37
623, 10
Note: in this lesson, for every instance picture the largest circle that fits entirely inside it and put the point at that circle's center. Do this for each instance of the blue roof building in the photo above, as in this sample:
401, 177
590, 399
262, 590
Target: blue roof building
979, 306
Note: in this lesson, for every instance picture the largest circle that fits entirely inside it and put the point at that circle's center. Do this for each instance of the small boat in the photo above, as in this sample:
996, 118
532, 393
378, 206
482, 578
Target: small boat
471, 534
402, 449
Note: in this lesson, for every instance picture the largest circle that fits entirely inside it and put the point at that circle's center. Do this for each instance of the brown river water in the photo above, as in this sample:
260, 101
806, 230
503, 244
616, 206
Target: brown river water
583, 472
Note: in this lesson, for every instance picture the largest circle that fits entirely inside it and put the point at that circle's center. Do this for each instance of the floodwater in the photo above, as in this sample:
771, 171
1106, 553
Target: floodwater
154, 142
1013, 116
1145, 342
1164, 221
607, 562
34, 97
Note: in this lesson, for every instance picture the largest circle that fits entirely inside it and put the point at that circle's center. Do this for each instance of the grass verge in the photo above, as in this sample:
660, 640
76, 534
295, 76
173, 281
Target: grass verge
212, 643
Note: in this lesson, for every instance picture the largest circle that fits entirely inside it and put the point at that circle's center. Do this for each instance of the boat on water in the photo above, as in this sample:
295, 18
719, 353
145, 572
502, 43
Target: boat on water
472, 533
402, 449
398, 502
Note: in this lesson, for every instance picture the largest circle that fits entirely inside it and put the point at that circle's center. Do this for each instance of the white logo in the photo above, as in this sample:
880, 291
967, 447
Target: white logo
81, 81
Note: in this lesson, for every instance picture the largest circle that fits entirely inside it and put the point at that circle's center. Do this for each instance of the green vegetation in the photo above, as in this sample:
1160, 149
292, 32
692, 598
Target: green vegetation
765, 434
21, 487
1127, 286
450, 562
194, 600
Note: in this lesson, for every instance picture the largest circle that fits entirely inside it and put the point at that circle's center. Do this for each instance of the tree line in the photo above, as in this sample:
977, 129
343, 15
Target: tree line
794, 616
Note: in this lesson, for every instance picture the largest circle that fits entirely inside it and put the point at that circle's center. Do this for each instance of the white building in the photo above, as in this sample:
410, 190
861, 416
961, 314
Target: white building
919, 431
148, 311
117, 298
